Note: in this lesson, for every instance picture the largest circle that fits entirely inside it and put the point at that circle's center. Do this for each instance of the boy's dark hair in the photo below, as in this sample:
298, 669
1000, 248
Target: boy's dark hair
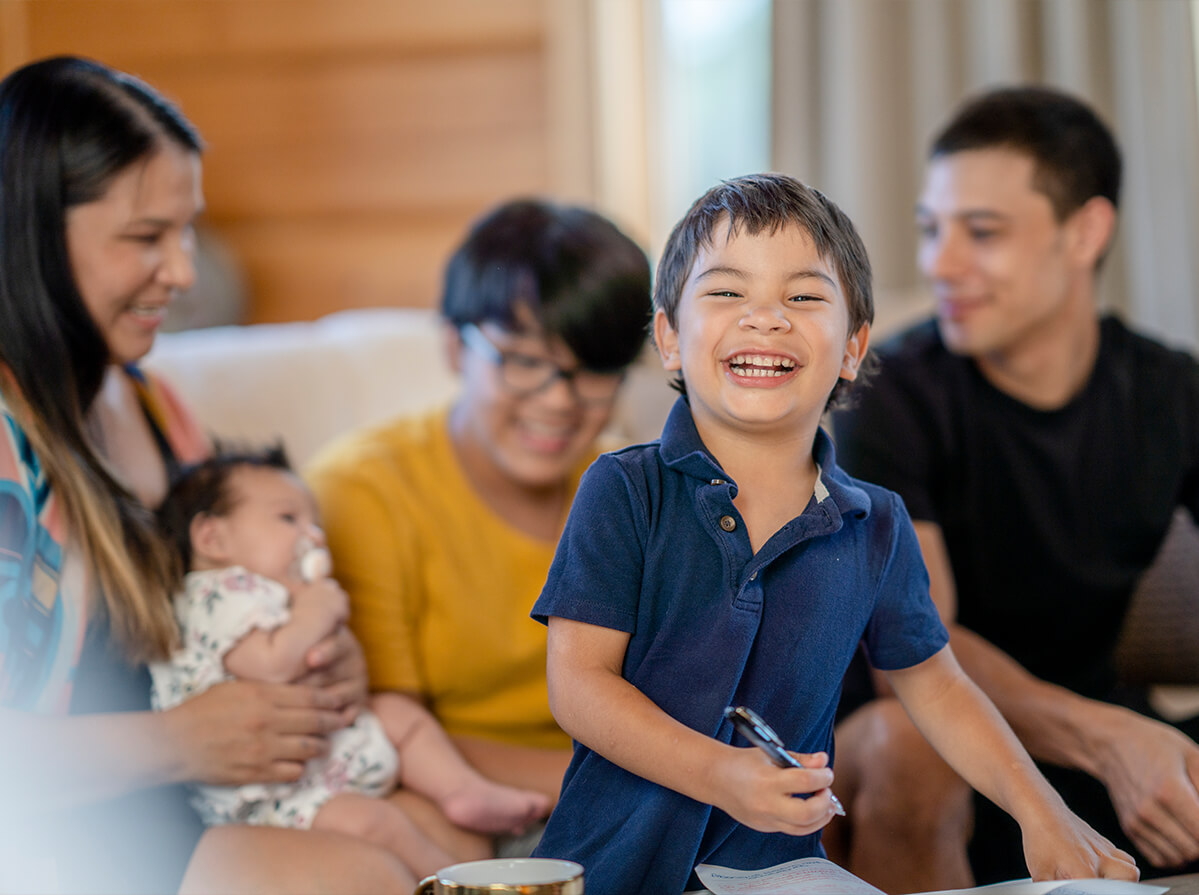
582, 279
203, 489
1073, 151
758, 203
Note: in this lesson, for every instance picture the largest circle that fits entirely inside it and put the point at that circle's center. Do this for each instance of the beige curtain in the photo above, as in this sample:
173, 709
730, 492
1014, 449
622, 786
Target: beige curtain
860, 85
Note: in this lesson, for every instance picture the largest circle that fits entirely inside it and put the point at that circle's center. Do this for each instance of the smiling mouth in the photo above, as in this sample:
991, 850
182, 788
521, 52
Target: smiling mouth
761, 365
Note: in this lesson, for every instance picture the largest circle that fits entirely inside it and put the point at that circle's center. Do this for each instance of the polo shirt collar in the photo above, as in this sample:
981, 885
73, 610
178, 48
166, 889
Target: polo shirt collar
683, 451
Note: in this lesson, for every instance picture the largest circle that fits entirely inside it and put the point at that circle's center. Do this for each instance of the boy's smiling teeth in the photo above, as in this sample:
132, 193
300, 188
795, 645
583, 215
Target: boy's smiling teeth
761, 365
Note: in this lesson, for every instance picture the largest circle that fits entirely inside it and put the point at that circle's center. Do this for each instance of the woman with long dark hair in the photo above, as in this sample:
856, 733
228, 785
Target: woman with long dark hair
100, 184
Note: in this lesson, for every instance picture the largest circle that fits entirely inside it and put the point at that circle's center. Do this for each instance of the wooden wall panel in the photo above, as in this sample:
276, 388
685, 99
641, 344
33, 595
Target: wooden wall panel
365, 263
350, 142
176, 32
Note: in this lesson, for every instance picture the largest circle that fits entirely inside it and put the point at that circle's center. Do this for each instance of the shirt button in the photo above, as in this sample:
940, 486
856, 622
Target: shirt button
728, 523
718, 482
753, 576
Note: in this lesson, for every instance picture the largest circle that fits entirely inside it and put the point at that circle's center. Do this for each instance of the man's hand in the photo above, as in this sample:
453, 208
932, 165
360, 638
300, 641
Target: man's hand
242, 732
338, 668
1151, 772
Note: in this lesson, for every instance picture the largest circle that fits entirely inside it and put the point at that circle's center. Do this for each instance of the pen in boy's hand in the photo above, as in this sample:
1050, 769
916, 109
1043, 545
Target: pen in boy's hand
750, 725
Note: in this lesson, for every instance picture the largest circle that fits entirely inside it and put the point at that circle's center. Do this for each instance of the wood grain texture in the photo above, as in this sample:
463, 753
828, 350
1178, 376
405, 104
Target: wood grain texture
349, 142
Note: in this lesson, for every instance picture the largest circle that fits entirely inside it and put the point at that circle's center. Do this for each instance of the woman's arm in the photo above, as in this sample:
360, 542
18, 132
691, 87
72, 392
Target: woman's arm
969, 733
237, 732
598, 707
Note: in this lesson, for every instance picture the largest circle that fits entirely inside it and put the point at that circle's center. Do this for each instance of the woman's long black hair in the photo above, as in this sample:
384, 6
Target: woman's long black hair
68, 127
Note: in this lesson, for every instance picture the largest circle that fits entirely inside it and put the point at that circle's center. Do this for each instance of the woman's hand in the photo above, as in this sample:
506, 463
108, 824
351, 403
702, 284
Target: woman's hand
338, 669
242, 732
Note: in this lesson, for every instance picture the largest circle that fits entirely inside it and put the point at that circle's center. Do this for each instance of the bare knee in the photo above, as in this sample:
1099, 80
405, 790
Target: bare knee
901, 785
267, 860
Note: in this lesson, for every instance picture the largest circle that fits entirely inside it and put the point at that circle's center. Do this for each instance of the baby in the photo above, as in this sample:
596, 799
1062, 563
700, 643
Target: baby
255, 598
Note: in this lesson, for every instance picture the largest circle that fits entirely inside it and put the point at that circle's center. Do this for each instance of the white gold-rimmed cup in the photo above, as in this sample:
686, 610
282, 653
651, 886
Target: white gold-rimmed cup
527, 876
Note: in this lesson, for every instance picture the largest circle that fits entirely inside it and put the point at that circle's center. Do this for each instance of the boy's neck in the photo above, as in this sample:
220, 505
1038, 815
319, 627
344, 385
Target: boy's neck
775, 473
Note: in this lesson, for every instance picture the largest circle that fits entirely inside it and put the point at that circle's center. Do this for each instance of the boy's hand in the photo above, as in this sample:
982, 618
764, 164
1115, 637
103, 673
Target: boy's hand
763, 796
1064, 846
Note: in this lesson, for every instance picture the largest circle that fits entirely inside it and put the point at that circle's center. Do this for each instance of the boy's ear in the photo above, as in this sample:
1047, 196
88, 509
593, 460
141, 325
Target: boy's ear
452, 345
667, 341
209, 539
855, 351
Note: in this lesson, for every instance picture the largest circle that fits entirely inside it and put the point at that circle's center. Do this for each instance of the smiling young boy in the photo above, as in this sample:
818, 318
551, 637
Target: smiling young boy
732, 563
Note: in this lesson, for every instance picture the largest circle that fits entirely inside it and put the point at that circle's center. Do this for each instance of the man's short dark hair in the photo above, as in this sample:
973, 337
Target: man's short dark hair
1073, 151
581, 278
758, 203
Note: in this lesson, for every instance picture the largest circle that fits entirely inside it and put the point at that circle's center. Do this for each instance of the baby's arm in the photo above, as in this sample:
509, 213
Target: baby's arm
969, 733
279, 655
599, 708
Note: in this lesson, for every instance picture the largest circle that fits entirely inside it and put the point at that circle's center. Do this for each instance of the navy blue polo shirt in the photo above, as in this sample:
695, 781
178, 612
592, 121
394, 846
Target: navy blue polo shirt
654, 547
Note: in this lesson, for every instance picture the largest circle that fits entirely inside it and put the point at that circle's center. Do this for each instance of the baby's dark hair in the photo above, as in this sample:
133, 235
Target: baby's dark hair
765, 203
203, 489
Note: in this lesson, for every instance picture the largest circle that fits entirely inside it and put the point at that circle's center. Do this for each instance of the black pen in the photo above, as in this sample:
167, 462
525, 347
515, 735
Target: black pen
750, 725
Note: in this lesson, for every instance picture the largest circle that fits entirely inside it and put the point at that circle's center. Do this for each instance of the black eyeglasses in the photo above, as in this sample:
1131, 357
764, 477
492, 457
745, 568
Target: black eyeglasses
524, 375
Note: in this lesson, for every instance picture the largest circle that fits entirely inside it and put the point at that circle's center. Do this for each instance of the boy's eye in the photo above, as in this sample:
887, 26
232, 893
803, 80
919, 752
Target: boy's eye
290, 518
725, 293
982, 234
802, 298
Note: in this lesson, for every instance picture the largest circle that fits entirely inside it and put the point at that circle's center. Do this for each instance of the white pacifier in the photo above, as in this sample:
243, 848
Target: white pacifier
314, 562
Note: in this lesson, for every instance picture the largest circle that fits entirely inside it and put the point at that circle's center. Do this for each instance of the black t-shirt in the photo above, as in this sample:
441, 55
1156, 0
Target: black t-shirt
1049, 517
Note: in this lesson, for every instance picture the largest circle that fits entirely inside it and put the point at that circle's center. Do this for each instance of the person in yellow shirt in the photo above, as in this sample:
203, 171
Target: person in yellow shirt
443, 526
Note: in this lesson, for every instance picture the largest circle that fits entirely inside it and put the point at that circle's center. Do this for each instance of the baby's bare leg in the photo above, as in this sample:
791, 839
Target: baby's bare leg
383, 823
431, 765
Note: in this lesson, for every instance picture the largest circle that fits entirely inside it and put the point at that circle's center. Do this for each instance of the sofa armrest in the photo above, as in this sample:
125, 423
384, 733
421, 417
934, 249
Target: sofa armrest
1159, 643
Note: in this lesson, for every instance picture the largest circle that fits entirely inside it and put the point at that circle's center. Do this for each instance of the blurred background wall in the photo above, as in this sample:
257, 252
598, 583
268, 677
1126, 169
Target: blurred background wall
352, 141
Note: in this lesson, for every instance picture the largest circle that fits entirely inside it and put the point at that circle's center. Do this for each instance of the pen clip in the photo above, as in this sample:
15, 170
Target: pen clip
754, 720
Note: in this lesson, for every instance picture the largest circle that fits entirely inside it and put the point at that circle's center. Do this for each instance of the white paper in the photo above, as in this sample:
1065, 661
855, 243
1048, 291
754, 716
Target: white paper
1061, 887
817, 876
811, 876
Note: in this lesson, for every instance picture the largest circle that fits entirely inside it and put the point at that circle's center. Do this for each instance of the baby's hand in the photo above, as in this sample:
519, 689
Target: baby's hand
322, 594
1067, 848
763, 796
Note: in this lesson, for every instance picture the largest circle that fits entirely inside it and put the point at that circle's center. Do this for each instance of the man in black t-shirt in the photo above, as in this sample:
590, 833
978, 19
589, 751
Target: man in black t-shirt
1042, 451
